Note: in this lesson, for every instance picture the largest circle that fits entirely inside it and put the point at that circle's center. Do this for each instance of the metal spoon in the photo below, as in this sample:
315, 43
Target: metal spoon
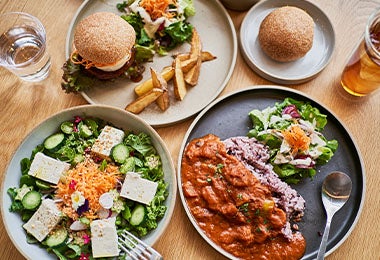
336, 189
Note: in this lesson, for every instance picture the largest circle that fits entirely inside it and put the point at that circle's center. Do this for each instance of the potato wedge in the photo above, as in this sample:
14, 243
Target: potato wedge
205, 55
159, 82
167, 73
186, 65
139, 104
192, 76
178, 80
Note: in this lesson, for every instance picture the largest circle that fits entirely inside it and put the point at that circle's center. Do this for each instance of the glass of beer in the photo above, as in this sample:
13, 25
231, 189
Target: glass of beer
361, 75
23, 48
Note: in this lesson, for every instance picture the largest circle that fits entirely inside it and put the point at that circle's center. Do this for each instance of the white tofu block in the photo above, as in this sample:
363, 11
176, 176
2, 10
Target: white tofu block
138, 189
104, 238
108, 138
47, 169
43, 220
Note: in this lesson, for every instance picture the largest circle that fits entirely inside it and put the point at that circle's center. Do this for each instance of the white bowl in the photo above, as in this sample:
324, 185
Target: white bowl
119, 118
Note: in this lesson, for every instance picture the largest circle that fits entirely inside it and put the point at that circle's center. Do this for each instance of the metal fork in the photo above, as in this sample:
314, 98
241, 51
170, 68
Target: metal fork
135, 248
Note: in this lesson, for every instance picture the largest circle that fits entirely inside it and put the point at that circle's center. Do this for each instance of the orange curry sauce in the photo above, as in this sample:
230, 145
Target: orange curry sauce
232, 207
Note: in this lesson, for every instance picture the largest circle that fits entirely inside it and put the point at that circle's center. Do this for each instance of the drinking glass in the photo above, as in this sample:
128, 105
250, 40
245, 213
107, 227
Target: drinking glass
23, 49
361, 75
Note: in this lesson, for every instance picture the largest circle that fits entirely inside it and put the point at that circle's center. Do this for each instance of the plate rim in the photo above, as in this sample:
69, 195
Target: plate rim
218, 91
249, 89
274, 77
84, 108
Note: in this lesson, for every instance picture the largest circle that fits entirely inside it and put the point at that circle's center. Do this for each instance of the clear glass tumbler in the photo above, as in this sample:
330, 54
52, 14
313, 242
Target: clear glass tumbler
361, 75
23, 49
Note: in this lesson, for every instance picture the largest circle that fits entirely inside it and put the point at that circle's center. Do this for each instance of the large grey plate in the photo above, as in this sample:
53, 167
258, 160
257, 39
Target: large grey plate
228, 116
218, 36
295, 72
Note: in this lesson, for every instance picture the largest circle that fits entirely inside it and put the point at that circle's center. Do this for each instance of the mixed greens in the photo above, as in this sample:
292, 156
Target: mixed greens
160, 26
72, 144
292, 131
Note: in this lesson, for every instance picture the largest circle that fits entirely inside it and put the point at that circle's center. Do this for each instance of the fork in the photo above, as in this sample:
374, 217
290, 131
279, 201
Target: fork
135, 248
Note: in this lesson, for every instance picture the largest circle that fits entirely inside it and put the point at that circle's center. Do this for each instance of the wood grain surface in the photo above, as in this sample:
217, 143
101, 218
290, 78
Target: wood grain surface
24, 105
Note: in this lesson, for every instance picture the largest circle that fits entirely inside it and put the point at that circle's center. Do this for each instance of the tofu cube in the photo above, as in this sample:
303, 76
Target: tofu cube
108, 138
138, 189
104, 238
43, 220
47, 169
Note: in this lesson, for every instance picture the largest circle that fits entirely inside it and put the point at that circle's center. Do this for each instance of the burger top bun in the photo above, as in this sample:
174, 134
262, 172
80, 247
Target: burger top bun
286, 34
104, 38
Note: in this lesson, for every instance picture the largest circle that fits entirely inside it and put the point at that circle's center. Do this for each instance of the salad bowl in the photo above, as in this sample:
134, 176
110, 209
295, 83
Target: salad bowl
114, 116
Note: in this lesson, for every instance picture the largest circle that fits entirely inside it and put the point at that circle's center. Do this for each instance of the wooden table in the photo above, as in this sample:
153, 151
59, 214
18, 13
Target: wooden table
24, 105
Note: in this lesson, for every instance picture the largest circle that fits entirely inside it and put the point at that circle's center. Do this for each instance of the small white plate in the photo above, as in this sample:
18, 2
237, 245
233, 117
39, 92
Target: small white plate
218, 36
295, 72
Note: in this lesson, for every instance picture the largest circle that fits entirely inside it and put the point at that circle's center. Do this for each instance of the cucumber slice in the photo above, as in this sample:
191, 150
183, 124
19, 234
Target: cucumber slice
84, 130
137, 215
57, 238
54, 142
43, 185
67, 127
128, 165
31, 200
120, 153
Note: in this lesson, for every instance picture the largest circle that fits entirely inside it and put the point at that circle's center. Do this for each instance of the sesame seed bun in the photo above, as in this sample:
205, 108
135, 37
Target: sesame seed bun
104, 38
286, 34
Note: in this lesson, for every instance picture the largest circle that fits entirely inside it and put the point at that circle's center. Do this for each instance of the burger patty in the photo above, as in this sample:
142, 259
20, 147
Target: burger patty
104, 75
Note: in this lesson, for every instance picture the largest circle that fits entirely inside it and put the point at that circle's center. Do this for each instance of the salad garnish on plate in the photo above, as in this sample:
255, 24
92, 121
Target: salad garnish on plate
293, 131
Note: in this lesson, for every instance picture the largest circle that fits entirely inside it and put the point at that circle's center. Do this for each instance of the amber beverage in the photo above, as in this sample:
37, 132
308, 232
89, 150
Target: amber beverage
361, 75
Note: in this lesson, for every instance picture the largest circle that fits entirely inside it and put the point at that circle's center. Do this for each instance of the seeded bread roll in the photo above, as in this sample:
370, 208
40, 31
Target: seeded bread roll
104, 38
286, 34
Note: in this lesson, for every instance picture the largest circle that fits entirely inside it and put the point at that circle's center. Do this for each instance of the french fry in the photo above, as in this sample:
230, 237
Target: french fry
139, 104
192, 76
167, 73
159, 82
178, 81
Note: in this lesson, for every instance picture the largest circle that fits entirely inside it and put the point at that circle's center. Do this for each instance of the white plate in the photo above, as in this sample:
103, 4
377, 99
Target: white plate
295, 72
218, 36
119, 118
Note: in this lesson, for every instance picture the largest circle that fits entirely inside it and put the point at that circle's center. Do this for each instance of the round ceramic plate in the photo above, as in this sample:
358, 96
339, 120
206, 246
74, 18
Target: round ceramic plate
228, 116
212, 23
117, 117
295, 72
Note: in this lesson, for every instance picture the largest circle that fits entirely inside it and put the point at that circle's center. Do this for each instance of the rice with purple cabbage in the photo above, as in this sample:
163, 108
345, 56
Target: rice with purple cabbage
255, 156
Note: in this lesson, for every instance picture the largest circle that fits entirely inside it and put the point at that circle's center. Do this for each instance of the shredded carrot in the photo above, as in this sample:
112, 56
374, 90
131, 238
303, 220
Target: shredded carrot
158, 8
86, 63
91, 182
297, 139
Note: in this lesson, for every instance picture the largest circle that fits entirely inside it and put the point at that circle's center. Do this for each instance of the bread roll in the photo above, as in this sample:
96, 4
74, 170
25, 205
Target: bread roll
286, 34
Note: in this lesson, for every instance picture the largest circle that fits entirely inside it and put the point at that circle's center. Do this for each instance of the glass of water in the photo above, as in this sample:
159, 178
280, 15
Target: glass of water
23, 49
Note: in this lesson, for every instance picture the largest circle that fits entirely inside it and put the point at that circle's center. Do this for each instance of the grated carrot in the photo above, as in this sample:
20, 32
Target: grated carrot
158, 8
91, 182
296, 138
86, 63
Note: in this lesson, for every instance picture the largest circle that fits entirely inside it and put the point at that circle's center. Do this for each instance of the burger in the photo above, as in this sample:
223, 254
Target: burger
103, 49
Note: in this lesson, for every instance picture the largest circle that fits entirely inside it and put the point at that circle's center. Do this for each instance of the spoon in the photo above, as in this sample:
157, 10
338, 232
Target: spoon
336, 189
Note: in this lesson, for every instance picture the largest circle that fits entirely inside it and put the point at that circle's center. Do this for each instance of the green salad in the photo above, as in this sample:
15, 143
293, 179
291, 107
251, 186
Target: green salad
293, 132
160, 26
85, 184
